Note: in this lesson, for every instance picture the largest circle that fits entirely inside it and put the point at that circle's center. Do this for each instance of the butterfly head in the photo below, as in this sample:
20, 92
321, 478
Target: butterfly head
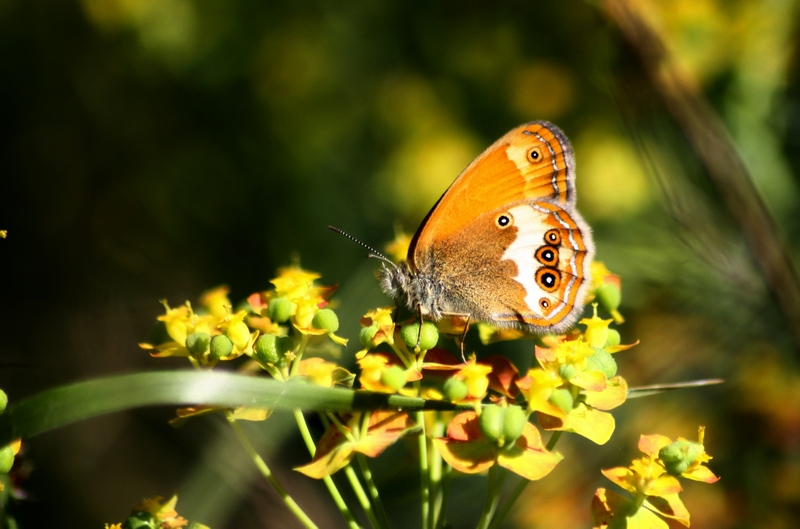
418, 292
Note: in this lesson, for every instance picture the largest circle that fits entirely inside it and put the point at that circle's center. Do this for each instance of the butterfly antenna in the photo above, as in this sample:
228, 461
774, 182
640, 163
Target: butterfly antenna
372, 251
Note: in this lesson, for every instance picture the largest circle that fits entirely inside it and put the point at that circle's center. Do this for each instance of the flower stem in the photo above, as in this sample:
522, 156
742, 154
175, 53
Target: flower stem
506, 508
490, 503
261, 465
376, 503
436, 464
425, 482
331, 486
444, 494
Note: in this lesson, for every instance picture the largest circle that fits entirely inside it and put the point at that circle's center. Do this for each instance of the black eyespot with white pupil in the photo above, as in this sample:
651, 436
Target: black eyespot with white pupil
552, 237
535, 155
548, 279
503, 221
547, 255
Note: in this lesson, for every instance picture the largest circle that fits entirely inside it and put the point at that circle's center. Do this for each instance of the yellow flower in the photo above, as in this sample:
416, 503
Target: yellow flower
216, 301
294, 283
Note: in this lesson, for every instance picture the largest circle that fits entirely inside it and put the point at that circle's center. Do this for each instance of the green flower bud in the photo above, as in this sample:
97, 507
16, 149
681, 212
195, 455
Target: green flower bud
678, 456
197, 343
602, 360
491, 422
267, 349
141, 520
562, 398
515, 420
6, 459
326, 320
567, 371
609, 296
221, 346
366, 336
428, 338
613, 338
280, 310
454, 390
393, 377
3, 401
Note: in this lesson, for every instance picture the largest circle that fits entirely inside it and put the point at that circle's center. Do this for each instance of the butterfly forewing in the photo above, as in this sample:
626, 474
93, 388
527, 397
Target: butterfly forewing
533, 161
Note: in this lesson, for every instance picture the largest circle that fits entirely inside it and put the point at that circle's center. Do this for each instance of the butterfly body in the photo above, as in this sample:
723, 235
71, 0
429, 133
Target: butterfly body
504, 244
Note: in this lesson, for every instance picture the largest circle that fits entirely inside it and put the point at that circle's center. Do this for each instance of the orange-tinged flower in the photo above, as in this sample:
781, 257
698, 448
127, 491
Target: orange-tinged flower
468, 450
340, 443
163, 511
653, 483
377, 328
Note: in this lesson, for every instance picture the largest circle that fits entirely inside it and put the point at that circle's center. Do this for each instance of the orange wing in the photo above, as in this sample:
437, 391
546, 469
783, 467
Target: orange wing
532, 162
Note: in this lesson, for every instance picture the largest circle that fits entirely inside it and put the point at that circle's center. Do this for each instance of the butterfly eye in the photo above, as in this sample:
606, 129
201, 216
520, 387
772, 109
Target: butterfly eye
544, 303
552, 237
547, 255
535, 155
548, 279
503, 221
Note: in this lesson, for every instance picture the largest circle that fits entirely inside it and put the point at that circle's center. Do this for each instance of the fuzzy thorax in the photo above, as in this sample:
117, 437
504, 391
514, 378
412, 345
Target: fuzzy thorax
416, 290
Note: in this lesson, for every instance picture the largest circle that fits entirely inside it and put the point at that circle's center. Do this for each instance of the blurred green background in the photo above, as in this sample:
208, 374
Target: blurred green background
152, 149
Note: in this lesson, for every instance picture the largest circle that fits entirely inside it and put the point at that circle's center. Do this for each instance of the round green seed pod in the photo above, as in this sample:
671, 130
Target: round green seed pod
197, 343
326, 320
562, 398
679, 455
394, 377
515, 420
454, 390
567, 371
366, 336
6, 459
141, 520
221, 346
492, 422
609, 296
266, 349
3, 401
603, 361
613, 338
280, 310
428, 338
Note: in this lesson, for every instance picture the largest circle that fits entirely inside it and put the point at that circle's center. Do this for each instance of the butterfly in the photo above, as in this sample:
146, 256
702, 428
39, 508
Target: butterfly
504, 244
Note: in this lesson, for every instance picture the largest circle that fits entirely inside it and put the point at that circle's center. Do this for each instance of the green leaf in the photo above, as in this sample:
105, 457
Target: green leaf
75, 402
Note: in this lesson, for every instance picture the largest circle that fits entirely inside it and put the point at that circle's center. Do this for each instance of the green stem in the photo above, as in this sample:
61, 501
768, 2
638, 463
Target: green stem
301, 348
361, 495
551, 443
329, 484
261, 465
441, 516
436, 474
491, 492
376, 503
425, 485
506, 508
